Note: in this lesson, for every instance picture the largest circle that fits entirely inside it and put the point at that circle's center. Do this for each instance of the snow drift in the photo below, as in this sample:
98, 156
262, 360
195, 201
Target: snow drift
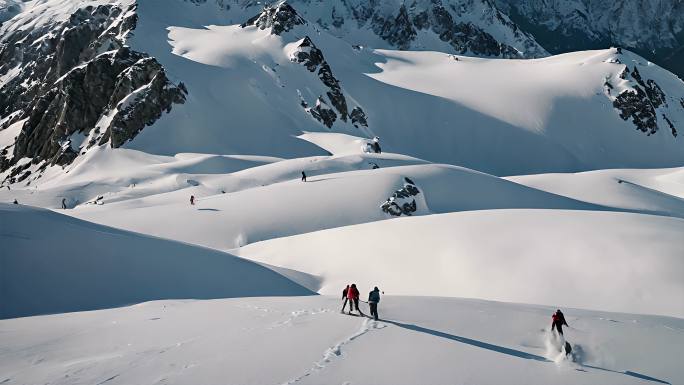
598, 260
51, 263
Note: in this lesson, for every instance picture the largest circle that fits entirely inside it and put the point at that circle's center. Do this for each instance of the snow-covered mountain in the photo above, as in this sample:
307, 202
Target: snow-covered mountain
654, 29
196, 154
223, 77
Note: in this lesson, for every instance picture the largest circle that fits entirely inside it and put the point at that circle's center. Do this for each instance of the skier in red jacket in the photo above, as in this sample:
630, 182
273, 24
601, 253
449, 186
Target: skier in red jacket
557, 321
353, 297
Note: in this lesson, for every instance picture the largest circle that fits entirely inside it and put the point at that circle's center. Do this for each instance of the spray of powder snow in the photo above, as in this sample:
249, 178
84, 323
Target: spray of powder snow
553, 344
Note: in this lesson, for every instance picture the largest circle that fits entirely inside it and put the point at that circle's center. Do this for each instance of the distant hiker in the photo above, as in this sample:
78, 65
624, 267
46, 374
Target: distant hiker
303, 177
373, 299
353, 297
557, 321
344, 297
192, 199
15, 202
64, 203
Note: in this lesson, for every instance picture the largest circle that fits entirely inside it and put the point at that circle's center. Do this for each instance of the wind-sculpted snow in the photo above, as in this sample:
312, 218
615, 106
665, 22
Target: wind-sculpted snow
305, 340
256, 206
599, 260
52, 263
658, 192
617, 92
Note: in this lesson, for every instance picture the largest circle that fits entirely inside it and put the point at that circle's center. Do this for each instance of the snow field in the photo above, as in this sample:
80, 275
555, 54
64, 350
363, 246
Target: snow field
305, 340
52, 263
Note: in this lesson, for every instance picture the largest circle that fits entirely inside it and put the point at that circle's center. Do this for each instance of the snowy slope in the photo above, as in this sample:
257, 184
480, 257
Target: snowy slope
304, 340
248, 88
51, 263
498, 116
599, 260
241, 201
231, 220
658, 191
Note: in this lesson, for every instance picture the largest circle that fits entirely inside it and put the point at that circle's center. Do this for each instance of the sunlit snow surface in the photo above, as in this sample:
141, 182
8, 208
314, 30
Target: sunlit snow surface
230, 278
305, 340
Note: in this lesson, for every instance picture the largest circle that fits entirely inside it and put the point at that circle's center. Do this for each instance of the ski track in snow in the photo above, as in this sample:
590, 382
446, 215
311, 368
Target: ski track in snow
335, 351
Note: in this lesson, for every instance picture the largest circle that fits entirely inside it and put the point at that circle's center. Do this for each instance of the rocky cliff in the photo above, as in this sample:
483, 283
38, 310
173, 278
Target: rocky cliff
74, 84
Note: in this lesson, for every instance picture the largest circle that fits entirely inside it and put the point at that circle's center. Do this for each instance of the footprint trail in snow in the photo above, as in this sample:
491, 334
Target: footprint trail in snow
336, 351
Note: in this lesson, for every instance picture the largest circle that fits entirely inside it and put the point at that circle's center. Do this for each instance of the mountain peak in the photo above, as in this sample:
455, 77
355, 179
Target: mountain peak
280, 17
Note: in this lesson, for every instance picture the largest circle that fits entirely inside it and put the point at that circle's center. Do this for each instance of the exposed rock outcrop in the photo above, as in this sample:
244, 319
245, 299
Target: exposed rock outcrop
280, 17
640, 104
358, 117
449, 21
402, 202
78, 77
311, 57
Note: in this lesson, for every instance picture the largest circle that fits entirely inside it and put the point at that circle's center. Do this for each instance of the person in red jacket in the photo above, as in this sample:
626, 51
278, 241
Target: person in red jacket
344, 297
353, 297
557, 321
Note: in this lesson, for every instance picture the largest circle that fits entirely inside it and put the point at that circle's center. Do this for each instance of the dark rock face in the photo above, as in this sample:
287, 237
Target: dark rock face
448, 20
463, 37
279, 17
308, 55
650, 28
640, 105
75, 77
323, 113
222, 4
635, 106
402, 202
401, 30
358, 117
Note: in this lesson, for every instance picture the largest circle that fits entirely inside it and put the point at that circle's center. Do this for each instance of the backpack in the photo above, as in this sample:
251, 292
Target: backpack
374, 296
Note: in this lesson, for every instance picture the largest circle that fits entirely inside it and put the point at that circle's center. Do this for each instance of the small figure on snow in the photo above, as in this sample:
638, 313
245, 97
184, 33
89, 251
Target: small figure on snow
557, 322
303, 177
344, 297
353, 296
373, 299
376, 145
63, 203
192, 200
568, 349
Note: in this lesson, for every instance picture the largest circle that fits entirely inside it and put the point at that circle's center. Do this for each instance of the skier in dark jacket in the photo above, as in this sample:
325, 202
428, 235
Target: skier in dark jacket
353, 296
303, 177
64, 203
344, 297
557, 321
192, 199
373, 299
